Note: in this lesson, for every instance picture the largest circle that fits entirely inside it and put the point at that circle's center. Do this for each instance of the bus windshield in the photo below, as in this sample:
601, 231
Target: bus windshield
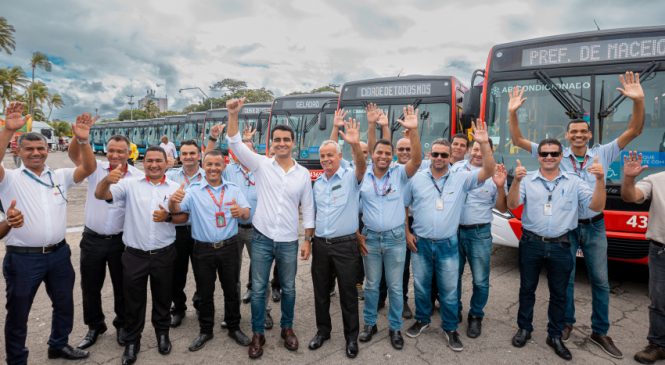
295, 121
313, 136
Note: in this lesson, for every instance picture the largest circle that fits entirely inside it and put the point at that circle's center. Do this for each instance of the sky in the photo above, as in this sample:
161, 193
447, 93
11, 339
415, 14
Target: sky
103, 51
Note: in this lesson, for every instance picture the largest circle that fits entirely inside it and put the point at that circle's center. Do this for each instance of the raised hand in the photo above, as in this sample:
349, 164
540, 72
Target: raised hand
410, 118
14, 216
81, 127
160, 215
217, 130
115, 175
480, 131
520, 171
597, 169
234, 105
352, 134
632, 164
235, 209
248, 132
500, 176
516, 99
15, 119
373, 113
178, 195
340, 115
630, 86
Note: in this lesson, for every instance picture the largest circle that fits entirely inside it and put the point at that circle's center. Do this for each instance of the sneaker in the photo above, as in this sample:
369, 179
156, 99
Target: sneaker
650, 354
247, 297
361, 292
474, 328
416, 329
454, 342
406, 311
565, 334
606, 344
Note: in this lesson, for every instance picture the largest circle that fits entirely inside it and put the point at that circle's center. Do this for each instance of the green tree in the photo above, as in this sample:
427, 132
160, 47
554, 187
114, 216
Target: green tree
39, 60
54, 101
7, 30
151, 109
169, 112
321, 89
232, 85
61, 128
136, 114
10, 78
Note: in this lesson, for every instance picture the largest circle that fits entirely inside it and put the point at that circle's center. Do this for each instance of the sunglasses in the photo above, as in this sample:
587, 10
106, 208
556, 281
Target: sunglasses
553, 154
404, 149
439, 154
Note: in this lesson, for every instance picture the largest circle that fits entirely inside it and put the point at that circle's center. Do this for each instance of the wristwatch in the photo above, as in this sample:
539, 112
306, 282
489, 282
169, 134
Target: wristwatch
79, 141
212, 138
169, 218
308, 238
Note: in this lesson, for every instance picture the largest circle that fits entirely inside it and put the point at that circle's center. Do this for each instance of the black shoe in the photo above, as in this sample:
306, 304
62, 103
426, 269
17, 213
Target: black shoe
120, 336
367, 333
268, 322
416, 329
91, 337
351, 348
475, 326
406, 311
163, 344
521, 337
396, 339
240, 337
224, 325
176, 319
67, 353
453, 340
131, 352
276, 295
247, 297
559, 348
318, 341
200, 341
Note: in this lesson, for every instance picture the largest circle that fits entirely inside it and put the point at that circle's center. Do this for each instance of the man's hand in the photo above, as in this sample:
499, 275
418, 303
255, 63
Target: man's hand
115, 175
500, 176
248, 132
235, 209
362, 246
14, 216
516, 99
305, 250
520, 171
411, 242
340, 115
170, 162
597, 169
480, 131
631, 87
81, 128
632, 164
352, 135
14, 113
160, 215
410, 118
234, 105
217, 130
178, 195
373, 113
383, 119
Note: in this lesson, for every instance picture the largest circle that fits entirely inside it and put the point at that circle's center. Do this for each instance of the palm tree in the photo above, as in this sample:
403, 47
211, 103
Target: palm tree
151, 109
9, 79
7, 42
53, 101
39, 60
38, 91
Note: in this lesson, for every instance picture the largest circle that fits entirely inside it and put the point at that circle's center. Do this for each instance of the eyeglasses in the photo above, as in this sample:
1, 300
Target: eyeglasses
404, 149
554, 154
440, 154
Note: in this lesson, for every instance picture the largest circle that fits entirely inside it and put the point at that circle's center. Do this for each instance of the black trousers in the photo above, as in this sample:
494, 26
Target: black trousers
98, 252
341, 259
211, 263
138, 267
383, 289
183, 247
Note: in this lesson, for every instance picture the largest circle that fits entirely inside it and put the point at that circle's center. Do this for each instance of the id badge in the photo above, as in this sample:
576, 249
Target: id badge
547, 209
220, 219
439, 204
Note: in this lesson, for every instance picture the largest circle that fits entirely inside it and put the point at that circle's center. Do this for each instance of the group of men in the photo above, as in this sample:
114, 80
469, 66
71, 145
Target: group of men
358, 216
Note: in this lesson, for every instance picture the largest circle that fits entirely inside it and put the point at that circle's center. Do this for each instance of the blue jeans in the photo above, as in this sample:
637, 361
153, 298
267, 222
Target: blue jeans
475, 246
24, 273
440, 258
558, 261
264, 251
657, 295
592, 239
385, 250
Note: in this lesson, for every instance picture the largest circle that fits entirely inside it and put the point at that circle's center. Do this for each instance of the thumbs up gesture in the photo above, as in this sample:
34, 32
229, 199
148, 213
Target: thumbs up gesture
14, 216
115, 175
597, 169
178, 195
236, 211
520, 171
160, 215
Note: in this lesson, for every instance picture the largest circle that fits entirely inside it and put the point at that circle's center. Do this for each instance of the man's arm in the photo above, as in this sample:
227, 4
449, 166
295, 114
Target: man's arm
103, 189
81, 130
513, 199
411, 123
13, 122
499, 179
372, 113
480, 135
215, 133
352, 137
632, 168
516, 101
338, 122
599, 194
632, 89
245, 156
74, 152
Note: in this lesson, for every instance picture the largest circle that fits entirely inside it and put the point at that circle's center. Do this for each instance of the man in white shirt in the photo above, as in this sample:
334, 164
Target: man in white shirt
282, 186
169, 148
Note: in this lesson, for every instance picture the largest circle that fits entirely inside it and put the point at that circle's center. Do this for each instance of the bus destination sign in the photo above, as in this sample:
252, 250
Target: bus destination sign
395, 90
303, 103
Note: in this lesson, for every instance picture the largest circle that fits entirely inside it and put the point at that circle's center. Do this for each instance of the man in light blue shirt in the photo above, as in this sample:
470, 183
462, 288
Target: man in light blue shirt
436, 196
384, 217
214, 207
590, 235
552, 199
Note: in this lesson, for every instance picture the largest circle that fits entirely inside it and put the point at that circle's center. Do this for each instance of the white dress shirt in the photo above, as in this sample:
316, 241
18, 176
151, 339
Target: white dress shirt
279, 194
100, 216
44, 206
170, 149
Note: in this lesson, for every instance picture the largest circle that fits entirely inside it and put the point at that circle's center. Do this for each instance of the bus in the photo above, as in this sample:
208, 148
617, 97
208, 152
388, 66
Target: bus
97, 138
192, 127
305, 113
174, 123
213, 117
576, 76
438, 100
255, 115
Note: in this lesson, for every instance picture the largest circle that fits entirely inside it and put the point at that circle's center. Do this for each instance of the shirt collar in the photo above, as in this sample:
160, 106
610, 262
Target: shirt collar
44, 172
540, 176
162, 182
429, 172
204, 184
339, 173
567, 152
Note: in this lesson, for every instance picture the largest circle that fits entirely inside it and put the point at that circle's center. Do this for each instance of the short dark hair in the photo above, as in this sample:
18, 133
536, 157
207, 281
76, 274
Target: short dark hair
550, 141
575, 121
489, 140
32, 136
155, 149
283, 127
189, 142
383, 141
214, 152
460, 136
119, 138
441, 141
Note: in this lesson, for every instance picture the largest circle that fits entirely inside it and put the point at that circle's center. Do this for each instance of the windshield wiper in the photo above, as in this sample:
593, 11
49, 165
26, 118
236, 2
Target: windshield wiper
573, 109
395, 126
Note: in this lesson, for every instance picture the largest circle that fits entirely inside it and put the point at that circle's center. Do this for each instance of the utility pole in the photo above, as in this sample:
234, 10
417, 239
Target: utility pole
131, 106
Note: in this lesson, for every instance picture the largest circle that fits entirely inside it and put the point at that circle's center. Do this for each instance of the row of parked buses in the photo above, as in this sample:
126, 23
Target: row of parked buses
566, 75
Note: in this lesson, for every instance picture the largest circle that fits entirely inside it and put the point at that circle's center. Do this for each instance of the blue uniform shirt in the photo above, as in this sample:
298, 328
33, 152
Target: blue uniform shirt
479, 202
381, 199
247, 184
202, 210
430, 222
607, 153
336, 203
178, 175
569, 194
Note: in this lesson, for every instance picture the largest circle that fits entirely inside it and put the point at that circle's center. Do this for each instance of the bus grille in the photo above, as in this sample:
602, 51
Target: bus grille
627, 249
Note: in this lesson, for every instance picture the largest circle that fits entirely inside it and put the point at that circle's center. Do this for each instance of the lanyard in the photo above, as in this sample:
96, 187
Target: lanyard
582, 165
53, 185
221, 197
440, 190
187, 179
246, 176
549, 197
385, 189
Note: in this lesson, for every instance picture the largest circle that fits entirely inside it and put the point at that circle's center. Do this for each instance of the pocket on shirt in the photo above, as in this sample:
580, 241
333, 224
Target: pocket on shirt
339, 199
567, 205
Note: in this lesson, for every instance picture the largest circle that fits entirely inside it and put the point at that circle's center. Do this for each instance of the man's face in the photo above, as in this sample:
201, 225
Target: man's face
33, 154
117, 152
165, 140
365, 150
403, 150
458, 149
154, 164
282, 143
382, 156
440, 156
330, 158
578, 134
476, 155
547, 161
213, 166
189, 155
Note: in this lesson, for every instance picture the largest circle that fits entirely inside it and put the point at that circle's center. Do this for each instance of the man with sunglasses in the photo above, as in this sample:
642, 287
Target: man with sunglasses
552, 201
282, 187
437, 195
590, 235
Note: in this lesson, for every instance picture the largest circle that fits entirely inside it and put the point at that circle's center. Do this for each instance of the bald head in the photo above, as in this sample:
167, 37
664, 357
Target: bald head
403, 150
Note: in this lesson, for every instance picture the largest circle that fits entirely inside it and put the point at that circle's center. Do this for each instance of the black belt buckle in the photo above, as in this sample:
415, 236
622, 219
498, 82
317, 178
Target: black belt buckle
218, 245
49, 248
154, 252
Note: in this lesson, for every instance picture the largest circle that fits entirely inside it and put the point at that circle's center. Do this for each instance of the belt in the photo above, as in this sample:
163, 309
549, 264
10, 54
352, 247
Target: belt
246, 226
659, 244
94, 234
473, 226
148, 252
330, 241
534, 237
592, 220
43, 249
218, 244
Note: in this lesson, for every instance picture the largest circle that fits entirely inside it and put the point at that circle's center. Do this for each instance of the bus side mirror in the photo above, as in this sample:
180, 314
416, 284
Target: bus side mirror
323, 125
471, 106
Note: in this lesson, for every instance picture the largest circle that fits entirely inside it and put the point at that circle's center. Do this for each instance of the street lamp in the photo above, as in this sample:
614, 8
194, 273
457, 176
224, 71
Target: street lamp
199, 89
